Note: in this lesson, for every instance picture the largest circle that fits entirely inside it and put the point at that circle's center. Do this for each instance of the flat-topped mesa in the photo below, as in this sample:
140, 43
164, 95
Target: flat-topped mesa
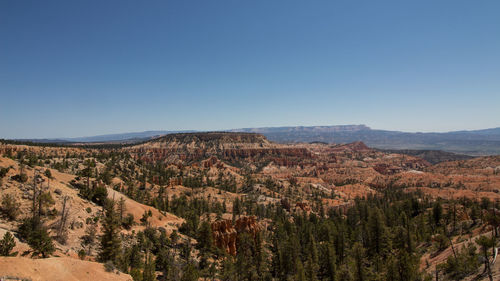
228, 146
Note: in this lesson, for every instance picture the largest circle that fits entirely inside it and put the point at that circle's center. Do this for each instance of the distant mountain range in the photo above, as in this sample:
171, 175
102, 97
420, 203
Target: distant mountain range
476, 142
119, 138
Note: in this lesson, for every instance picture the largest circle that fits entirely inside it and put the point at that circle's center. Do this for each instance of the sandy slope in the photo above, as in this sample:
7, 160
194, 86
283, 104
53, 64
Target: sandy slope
66, 269
167, 220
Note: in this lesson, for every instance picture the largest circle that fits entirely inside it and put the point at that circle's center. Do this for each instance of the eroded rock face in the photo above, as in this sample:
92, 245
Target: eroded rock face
211, 147
303, 206
247, 225
386, 169
226, 235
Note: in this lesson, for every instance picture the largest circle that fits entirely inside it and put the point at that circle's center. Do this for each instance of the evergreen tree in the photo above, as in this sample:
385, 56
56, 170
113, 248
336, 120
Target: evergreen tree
204, 237
437, 213
245, 253
486, 243
358, 254
149, 269
41, 242
378, 236
301, 274
7, 244
227, 271
110, 239
328, 264
190, 273
121, 209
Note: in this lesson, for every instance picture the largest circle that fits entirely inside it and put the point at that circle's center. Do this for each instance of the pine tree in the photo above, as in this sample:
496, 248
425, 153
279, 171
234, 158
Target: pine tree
204, 237
190, 273
41, 242
301, 274
121, 209
149, 269
378, 236
245, 251
330, 269
486, 243
7, 244
311, 269
437, 213
358, 254
227, 271
110, 240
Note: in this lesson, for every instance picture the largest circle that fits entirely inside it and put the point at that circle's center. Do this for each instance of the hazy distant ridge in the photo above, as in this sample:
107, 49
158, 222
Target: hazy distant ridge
475, 142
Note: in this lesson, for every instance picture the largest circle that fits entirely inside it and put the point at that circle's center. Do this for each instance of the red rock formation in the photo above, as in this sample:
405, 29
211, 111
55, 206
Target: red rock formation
303, 206
386, 169
226, 235
212, 146
247, 225
210, 162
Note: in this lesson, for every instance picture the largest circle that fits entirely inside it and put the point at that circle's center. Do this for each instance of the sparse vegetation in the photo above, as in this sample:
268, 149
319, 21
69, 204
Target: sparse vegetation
9, 207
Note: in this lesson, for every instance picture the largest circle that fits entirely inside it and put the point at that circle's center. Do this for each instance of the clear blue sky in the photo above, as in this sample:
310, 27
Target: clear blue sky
79, 68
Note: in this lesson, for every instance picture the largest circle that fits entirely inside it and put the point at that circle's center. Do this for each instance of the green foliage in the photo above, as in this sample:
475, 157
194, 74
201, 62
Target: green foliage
145, 217
48, 173
149, 270
3, 172
441, 242
465, 264
41, 243
32, 230
128, 221
110, 239
190, 273
9, 207
45, 200
82, 254
437, 213
204, 237
7, 244
97, 195
22, 177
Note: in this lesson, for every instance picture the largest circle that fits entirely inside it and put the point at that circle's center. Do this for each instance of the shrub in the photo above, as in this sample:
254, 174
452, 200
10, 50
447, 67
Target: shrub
4, 171
20, 178
48, 174
82, 254
128, 221
10, 206
109, 266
